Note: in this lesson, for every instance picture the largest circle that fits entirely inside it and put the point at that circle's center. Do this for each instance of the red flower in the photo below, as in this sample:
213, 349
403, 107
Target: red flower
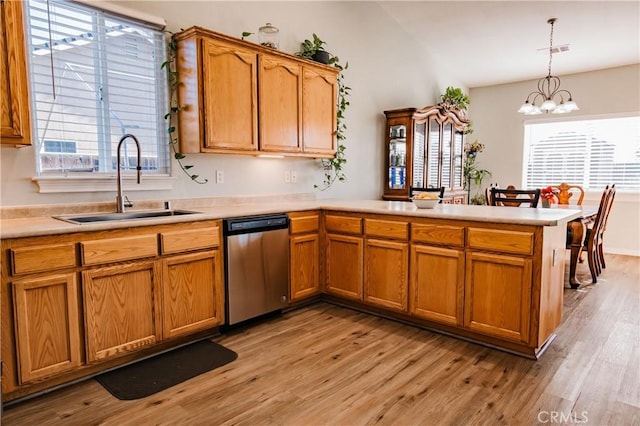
548, 194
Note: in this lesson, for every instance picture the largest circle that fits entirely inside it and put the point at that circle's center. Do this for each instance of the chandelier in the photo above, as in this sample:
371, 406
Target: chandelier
553, 98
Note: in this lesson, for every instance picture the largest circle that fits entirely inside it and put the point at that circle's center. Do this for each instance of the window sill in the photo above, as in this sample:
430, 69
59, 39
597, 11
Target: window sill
61, 183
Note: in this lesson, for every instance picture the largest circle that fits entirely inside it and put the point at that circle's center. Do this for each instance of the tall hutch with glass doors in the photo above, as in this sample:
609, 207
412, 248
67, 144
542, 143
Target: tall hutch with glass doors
424, 147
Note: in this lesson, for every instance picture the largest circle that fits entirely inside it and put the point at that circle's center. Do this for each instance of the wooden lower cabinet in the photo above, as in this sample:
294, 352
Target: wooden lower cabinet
437, 284
344, 269
121, 309
304, 251
498, 295
47, 325
386, 274
193, 299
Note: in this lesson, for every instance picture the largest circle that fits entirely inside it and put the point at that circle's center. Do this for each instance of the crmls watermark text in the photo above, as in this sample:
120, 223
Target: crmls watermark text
561, 417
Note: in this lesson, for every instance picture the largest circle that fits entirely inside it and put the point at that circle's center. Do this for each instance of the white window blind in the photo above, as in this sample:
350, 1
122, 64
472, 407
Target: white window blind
592, 153
95, 77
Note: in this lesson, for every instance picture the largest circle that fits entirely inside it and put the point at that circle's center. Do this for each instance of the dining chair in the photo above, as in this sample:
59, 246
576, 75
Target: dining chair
567, 191
511, 197
413, 190
600, 253
593, 235
487, 192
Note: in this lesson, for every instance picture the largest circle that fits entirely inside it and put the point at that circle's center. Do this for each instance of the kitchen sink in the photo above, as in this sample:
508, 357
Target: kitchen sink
110, 217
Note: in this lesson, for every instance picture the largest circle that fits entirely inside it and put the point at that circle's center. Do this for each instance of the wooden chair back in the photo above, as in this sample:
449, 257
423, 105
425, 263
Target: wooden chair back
413, 190
511, 197
566, 191
593, 239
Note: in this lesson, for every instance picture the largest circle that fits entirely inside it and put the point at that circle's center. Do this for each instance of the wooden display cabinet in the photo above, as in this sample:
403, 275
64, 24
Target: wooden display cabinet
424, 148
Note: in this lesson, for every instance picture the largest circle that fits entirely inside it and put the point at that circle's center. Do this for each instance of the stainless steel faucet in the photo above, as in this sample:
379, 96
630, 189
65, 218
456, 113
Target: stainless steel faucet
119, 197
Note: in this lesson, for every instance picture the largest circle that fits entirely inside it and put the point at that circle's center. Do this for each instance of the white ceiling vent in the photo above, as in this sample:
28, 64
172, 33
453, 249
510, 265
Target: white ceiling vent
555, 49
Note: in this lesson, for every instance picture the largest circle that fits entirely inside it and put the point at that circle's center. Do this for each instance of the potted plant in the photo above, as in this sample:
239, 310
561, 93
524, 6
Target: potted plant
471, 171
314, 50
454, 98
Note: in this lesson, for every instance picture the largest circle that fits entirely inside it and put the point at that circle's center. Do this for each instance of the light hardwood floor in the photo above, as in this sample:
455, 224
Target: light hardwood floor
324, 364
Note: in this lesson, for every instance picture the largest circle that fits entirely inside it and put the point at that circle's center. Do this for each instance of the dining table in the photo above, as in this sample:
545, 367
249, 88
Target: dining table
576, 233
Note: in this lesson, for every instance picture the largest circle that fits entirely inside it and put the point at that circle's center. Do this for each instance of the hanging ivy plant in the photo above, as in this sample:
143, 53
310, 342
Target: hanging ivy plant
172, 115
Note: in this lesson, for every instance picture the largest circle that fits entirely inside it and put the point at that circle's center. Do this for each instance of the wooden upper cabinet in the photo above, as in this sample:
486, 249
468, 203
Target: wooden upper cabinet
319, 99
15, 123
238, 97
280, 104
230, 97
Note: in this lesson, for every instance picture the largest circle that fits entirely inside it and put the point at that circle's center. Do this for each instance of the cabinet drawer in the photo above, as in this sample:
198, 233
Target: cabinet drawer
386, 229
187, 240
119, 249
438, 234
504, 241
26, 260
307, 223
343, 224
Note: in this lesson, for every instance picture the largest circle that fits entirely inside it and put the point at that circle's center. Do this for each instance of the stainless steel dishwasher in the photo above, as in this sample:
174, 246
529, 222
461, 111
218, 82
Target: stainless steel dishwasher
256, 265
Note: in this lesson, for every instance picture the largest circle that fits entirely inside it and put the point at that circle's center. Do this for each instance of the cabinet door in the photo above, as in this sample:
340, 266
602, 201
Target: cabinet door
498, 295
434, 138
458, 158
230, 96
386, 276
319, 110
280, 104
47, 326
437, 284
121, 305
305, 254
344, 265
446, 156
15, 126
192, 293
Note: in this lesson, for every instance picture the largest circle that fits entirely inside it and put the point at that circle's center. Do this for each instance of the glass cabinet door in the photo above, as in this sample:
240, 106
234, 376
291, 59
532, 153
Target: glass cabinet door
418, 154
458, 155
433, 155
397, 156
447, 143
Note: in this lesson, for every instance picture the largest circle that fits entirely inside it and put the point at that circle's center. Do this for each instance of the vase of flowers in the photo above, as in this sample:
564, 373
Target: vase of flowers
548, 196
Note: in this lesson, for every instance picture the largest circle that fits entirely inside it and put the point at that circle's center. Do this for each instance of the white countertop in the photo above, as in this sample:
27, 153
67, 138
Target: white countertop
47, 225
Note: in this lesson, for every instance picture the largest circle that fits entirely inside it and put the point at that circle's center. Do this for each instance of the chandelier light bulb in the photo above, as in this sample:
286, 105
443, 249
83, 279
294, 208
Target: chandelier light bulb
548, 105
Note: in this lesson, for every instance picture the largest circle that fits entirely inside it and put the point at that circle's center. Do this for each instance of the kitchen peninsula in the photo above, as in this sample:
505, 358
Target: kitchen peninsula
487, 274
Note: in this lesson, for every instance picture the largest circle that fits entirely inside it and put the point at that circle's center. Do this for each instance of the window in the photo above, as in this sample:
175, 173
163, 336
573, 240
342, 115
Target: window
592, 153
95, 77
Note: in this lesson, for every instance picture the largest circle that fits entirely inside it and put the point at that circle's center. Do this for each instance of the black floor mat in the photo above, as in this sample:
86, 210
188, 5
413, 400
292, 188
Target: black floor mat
160, 372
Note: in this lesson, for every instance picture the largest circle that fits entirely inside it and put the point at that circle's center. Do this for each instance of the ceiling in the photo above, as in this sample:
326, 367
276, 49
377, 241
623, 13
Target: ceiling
493, 42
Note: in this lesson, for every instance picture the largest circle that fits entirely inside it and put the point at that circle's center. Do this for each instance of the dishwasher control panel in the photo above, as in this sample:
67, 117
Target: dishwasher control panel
247, 224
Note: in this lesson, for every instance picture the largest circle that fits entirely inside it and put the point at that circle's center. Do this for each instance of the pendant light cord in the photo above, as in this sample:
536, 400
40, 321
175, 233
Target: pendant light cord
551, 21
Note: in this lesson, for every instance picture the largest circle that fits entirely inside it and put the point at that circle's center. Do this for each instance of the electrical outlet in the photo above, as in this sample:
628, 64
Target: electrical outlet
219, 176
294, 176
287, 176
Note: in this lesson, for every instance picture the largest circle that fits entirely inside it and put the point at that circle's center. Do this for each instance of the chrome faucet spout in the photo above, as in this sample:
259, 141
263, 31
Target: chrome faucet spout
120, 204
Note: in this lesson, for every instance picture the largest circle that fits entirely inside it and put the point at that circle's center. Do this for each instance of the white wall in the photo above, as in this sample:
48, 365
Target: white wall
501, 129
387, 70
